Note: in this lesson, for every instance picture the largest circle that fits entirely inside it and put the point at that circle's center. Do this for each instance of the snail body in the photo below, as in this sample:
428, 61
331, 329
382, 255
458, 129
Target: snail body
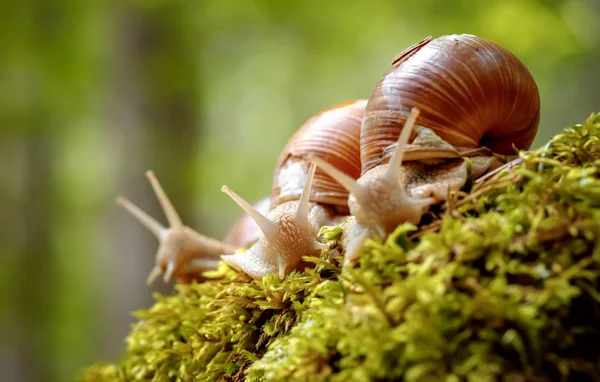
442, 100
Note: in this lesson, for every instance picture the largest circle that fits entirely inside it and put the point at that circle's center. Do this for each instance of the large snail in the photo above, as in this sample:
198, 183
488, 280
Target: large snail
442, 101
468, 97
303, 199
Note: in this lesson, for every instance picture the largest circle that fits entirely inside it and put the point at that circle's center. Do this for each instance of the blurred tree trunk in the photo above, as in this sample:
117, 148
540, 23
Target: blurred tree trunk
33, 125
35, 262
153, 105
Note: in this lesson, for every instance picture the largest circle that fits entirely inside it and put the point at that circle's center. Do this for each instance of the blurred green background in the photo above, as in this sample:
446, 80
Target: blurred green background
205, 93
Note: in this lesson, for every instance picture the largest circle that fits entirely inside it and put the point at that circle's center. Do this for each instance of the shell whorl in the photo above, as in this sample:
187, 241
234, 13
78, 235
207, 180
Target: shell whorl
471, 92
332, 135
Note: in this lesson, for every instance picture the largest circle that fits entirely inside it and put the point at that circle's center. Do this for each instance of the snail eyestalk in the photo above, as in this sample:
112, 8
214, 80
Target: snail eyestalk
147, 221
303, 203
266, 226
153, 226
349, 184
393, 170
170, 212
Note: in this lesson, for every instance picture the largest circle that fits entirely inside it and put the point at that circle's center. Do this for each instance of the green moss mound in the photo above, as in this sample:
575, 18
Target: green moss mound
503, 283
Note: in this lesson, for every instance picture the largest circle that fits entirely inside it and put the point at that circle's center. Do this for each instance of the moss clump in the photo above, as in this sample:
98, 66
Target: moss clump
503, 283
214, 330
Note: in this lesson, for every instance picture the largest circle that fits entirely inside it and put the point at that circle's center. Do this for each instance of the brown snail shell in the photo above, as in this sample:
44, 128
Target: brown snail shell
333, 135
471, 92
443, 99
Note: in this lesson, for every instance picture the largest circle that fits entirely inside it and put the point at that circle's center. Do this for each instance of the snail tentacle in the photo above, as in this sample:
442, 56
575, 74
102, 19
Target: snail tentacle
347, 182
398, 155
303, 203
267, 227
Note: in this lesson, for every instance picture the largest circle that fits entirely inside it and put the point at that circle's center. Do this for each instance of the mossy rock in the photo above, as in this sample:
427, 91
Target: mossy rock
501, 284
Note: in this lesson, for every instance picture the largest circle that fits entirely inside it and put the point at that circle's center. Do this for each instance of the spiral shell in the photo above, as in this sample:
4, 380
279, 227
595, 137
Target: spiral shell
334, 136
471, 92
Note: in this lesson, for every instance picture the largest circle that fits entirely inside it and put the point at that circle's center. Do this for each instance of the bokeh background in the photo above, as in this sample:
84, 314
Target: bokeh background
204, 92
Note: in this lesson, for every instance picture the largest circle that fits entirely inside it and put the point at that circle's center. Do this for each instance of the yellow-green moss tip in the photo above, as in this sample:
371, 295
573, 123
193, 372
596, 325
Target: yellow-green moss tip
504, 282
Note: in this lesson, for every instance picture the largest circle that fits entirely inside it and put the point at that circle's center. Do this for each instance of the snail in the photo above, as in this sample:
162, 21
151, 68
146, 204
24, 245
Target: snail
276, 231
303, 199
443, 99
184, 253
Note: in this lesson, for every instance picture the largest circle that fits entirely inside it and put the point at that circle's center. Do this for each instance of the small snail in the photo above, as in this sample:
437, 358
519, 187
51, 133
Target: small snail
184, 253
303, 199
468, 96
277, 231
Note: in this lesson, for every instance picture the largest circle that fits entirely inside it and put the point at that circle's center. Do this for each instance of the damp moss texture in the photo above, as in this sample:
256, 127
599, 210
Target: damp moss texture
501, 283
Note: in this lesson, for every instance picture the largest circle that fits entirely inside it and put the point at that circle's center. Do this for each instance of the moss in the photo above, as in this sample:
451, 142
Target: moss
502, 283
